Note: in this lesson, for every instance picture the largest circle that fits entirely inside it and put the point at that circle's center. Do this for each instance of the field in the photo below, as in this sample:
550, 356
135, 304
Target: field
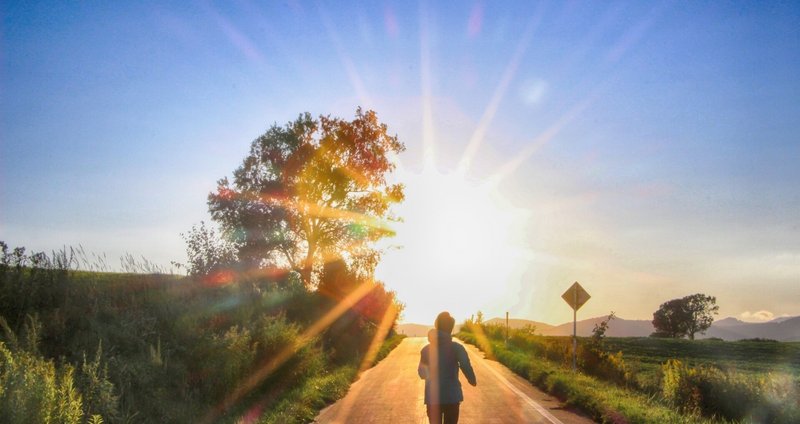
749, 356
650, 380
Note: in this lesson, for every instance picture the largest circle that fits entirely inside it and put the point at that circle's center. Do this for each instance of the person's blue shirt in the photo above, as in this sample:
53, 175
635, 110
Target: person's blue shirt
439, 363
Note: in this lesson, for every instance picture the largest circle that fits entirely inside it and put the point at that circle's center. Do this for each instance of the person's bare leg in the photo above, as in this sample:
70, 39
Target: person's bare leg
434, 414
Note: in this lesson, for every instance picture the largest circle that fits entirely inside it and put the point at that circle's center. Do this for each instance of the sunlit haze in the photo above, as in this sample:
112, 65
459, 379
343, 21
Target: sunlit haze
460, 240
648, 150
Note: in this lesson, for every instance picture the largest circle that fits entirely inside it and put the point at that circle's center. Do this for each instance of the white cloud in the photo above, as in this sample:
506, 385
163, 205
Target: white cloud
758, 316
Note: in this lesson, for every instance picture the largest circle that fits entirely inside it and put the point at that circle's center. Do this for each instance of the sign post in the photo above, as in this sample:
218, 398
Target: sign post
575, 296
506, 329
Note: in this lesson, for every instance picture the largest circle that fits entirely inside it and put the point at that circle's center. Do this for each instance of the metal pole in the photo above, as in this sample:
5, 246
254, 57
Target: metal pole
506, 328
575, 333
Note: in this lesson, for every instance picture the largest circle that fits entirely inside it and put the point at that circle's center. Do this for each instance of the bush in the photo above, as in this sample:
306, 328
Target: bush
98, 392
32, 390
174, 348
604, 402
730, 395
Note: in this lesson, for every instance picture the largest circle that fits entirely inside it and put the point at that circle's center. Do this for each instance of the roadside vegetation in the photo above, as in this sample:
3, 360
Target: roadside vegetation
78, 346
652, 380
278, 314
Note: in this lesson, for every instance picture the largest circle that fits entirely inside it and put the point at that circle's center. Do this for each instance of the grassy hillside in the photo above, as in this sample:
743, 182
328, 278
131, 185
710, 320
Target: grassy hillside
130, 348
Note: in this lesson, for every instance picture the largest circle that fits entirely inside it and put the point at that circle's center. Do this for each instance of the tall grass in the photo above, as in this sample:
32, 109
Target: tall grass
608, 386
129, 348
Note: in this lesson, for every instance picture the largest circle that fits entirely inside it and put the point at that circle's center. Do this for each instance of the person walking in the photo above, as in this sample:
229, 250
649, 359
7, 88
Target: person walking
439, 363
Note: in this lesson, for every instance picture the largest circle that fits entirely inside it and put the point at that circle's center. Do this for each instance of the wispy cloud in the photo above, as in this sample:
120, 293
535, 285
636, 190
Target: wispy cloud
759, 316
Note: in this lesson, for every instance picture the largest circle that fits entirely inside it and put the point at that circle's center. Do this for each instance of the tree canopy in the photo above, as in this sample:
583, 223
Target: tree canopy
685, 316
309, 191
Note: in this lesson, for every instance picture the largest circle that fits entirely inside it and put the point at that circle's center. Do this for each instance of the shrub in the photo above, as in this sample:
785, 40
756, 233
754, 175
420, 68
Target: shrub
208, 252
176, 346
728, 394
98, 392
32, 390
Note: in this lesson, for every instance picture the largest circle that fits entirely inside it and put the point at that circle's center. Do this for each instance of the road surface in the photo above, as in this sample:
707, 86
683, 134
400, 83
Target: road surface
391, 392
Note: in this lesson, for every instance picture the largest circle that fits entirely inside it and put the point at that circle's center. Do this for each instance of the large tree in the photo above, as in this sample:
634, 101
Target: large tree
309, 191
685, 316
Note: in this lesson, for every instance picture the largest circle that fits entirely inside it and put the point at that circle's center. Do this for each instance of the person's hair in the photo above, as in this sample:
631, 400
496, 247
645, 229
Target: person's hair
445, 323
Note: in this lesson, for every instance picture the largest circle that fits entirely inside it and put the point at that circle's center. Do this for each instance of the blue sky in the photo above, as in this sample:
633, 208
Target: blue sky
669, 165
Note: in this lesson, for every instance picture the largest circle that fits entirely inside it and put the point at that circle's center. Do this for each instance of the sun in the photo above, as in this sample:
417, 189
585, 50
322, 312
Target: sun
460, 246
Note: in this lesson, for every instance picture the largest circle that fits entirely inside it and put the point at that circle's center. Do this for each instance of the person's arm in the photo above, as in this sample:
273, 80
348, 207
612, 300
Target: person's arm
422, 369
465, 365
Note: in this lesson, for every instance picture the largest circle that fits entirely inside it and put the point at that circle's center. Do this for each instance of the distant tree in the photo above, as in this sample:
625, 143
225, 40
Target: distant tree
311, 190
670, 319
686, 316
207, 251
701, 310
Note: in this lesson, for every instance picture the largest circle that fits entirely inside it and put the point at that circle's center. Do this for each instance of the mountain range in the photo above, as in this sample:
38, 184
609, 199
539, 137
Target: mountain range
781, 329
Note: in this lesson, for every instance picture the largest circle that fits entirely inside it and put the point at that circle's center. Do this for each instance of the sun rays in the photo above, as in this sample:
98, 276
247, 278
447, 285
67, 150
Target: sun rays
428, 135
259, 375
459, 233
352, 73
498, 95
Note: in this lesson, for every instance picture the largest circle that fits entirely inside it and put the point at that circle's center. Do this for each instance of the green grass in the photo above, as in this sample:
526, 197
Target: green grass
170, 348
754, 358
604, 402
646, 380
302, 404
388, 345
751, 356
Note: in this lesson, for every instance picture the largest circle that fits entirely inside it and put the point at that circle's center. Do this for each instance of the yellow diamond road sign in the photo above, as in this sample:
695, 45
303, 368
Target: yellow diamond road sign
575, 296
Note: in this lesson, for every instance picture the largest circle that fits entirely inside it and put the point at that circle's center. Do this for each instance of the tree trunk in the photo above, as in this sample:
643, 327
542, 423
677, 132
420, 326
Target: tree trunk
308, 265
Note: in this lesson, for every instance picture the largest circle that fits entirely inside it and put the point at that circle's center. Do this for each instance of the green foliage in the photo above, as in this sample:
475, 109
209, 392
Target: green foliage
309, 190
33, 390
388, 345
598, 361
617, 388
30, 284
168, 349
599, 331
99, 397
352, 333
686, 316
731, 395
604, 402
744, 356
208, 253
301, 404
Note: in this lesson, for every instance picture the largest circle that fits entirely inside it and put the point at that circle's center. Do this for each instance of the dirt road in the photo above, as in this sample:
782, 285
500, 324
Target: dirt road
391, 392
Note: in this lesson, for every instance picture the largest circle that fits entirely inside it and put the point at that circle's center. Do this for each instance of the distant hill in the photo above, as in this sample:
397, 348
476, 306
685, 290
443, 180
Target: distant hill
419, 330
520, 323
782, 329
618, 327
728, 322
414, 330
